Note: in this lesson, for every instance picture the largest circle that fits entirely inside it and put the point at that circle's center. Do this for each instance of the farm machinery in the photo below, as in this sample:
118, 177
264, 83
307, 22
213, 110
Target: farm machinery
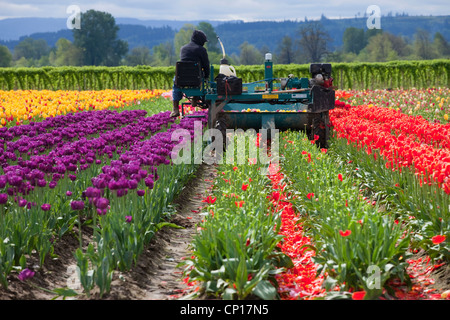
271, 103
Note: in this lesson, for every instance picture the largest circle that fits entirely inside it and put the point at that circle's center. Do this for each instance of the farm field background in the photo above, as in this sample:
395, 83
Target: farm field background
87, 178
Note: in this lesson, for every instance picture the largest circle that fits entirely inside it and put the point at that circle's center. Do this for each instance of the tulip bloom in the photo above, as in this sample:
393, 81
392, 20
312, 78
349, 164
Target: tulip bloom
239, 204
77, 205
345, 233
358, 295
438, 239
209, 200
26, 274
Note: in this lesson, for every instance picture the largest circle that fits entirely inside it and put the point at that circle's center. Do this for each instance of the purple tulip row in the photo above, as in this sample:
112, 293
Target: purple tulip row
139, 163
70, 157
36, 138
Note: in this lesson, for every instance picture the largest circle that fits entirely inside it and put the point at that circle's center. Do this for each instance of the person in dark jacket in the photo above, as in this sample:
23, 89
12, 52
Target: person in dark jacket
193, 51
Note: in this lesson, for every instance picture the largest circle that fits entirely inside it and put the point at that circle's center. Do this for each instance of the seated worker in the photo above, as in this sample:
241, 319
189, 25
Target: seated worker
193, 51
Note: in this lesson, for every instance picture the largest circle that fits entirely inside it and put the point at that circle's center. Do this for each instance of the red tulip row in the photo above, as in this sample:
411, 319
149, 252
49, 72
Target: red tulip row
405, 147
395, 121
301, 281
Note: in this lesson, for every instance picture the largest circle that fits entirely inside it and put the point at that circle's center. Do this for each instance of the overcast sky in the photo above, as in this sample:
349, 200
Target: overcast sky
247, 10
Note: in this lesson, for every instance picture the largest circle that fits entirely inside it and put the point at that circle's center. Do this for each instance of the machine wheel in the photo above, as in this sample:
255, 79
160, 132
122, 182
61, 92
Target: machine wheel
320, 127
221, 125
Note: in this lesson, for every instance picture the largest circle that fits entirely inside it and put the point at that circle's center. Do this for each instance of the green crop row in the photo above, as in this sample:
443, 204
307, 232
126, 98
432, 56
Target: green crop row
393, 74
357, 244
235, 253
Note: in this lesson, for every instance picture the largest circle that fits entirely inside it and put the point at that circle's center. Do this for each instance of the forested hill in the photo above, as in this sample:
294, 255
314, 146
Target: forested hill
270, 33
263, 34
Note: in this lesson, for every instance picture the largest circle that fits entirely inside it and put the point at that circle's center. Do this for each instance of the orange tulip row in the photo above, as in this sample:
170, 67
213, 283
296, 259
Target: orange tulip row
22, 106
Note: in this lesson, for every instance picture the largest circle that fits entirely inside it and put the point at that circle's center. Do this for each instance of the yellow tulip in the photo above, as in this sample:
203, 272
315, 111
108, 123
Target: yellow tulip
446, 117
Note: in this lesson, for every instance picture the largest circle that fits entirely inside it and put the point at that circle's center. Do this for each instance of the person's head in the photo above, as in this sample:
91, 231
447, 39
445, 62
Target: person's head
199, 37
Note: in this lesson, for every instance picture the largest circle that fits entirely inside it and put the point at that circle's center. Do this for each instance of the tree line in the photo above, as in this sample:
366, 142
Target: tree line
96, 43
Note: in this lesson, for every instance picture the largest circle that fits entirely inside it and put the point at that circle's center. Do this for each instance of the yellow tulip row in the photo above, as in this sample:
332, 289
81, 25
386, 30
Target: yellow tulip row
32, 105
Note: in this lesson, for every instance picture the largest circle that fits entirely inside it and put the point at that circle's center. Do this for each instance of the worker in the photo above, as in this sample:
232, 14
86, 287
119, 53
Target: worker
193, 51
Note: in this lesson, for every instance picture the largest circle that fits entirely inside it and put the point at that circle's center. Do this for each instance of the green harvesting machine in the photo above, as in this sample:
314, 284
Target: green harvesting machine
271, 103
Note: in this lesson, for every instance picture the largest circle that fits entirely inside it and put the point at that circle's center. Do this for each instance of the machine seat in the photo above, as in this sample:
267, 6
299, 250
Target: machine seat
188, 74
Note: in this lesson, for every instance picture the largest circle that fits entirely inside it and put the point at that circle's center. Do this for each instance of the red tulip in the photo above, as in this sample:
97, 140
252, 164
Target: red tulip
345, 233
209, 200
438, 239
358, 295
239, 203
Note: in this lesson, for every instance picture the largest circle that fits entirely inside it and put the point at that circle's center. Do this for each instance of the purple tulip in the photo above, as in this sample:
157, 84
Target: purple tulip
93, 192
122, 192
26, 274
132, 184
101, 203
22, 202
140, 192
128, 218
68, 193
149, 182
77, 205
3, 198
46, 207
101, 212
41, 183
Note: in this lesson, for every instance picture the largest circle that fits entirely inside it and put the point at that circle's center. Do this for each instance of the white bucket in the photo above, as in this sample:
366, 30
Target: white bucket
227, 70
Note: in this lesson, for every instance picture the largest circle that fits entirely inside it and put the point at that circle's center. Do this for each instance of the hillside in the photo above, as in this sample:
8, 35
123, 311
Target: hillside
267, 34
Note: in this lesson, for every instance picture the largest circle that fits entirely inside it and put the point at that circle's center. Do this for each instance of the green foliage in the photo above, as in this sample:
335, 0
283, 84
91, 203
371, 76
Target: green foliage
5, 57
97, 38
235, 254
393, 74
351, 237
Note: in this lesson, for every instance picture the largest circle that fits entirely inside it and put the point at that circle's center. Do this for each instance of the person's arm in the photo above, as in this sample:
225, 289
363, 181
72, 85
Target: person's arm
204, 62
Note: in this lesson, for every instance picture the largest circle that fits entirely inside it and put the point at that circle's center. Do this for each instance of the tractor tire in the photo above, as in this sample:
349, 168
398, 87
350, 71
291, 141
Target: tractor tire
222, 125
320, 127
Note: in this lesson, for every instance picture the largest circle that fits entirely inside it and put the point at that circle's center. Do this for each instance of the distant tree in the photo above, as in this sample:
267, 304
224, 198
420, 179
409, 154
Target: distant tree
30, 48
164, 54
139, 56
183, 36
399, 45
97, 38
380, 49
370, 33
422, 45
265, 49
249, 54
5, 57
285, 51
353, 40
313, 41
213, 44
66, 54
441, 46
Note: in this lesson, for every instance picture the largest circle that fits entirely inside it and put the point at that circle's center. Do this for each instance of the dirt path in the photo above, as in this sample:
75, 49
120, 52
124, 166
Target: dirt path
156, 275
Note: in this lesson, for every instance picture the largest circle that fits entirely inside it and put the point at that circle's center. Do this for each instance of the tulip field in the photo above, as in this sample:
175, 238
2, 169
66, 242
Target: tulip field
367, 218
